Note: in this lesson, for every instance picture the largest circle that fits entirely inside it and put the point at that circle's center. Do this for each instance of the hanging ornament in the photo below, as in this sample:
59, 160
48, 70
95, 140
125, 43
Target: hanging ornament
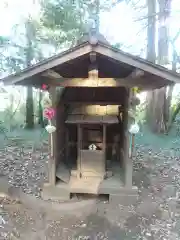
49, 113
50, 129
44, 87
134, 128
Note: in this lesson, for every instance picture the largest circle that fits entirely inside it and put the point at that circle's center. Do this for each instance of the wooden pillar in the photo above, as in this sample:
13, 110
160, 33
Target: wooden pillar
67, 144
104, 145
52, 142
79, 147
61, 131
128, 166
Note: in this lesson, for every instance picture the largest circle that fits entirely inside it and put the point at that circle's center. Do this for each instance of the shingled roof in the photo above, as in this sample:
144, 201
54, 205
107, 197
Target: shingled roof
112, 63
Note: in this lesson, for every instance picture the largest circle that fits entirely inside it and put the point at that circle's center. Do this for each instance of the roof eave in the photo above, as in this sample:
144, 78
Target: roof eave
138, 62
49, 63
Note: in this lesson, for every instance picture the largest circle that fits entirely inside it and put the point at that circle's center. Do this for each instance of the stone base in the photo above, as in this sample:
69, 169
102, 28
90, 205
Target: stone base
62, 192
57, 192
126, 197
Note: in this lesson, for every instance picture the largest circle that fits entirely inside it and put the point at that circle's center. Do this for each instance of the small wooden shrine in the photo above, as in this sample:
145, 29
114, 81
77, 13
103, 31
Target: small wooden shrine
91, 90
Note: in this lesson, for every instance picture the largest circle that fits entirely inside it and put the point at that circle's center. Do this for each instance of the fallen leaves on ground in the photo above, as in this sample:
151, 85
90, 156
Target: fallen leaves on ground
156, 215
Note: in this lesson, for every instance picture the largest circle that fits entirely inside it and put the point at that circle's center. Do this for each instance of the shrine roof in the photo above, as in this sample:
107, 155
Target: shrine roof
112, 63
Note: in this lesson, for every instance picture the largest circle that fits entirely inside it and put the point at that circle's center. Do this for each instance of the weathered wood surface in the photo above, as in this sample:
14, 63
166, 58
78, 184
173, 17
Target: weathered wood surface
52, 142
92, 163
61, 131
94, 96
89, 109
62, 172
144, 82
128, 166
82, 119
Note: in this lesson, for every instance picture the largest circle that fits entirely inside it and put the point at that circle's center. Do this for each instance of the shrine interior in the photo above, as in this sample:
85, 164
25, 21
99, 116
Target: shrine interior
91, 129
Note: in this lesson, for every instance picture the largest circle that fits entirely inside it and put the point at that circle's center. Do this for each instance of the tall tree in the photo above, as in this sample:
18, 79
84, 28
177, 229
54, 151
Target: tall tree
4, 41
29, 55
163, 102
151, 53
66, 21
157, 103
175, 61
24, 48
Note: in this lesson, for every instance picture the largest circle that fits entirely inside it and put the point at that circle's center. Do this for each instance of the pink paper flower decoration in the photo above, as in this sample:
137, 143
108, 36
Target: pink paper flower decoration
44, 86
49, 113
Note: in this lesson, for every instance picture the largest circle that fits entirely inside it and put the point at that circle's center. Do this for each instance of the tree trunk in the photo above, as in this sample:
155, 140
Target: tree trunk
159, 113
172, 117
151, 54
40, 111
163, 47
151, 31
29, 109
29, 58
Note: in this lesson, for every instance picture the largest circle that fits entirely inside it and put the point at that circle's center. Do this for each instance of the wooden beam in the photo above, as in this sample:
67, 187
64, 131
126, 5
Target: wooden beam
92, 57
102, 103
144, 83
136, 78
51, 74
93, 81
136, 74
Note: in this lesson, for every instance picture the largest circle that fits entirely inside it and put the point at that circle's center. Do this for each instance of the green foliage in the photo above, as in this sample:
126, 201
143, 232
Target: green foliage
3, 129
3, 40
60, 14
136, 90
64, 21
61, 23
117, 45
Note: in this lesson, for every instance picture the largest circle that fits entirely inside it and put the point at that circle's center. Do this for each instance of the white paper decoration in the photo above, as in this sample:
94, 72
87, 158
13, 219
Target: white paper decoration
134, 128
50, 129
46, 101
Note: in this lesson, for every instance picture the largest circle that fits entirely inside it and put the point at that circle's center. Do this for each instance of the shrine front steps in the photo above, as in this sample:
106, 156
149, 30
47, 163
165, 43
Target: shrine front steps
62, 192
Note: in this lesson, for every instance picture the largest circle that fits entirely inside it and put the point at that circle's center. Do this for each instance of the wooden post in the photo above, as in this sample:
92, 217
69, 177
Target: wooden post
79, 147
52, 142
132, 145
128, 166
104, 144
67, 144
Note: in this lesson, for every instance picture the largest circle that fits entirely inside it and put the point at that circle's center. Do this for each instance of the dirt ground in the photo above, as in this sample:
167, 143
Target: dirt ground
156, 214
